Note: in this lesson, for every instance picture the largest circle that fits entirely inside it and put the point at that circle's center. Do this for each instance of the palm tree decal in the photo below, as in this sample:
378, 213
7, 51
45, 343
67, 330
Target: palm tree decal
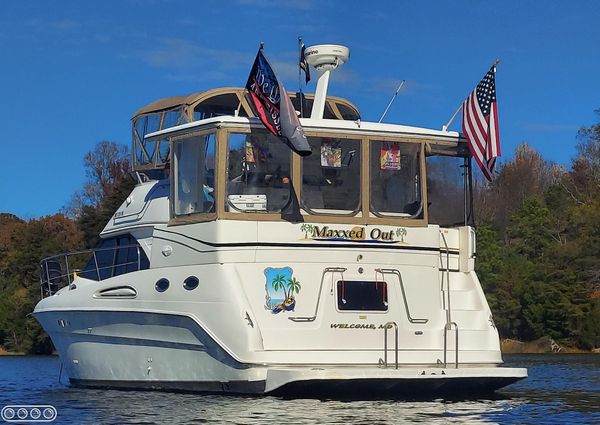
401, 232
280, 286
279, 283
306, 228
293, 286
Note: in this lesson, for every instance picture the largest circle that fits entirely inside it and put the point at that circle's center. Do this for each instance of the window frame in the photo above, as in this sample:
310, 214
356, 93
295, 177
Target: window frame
195, 216
358, 211
364, 216
420, 161
115, 252
337, 299
224, 178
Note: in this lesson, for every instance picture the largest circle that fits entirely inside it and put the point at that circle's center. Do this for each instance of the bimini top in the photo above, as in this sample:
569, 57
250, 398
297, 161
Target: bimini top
177, 110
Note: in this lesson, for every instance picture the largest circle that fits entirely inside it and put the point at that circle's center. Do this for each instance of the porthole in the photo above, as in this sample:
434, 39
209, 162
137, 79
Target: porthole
162, 285
191, 283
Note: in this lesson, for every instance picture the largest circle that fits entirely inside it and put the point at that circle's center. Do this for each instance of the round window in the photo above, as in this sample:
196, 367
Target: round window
162, 285
191, 283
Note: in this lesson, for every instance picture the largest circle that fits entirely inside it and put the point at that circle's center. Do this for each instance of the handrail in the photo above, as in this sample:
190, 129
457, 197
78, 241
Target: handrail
447, 305
59, 262
397, 273
385, 343
447, 272
313, 317
447, 328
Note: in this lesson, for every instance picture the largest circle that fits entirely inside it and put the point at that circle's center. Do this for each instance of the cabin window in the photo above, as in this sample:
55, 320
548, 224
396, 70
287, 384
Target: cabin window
194, 175
222, 104
173, 117
258, 173
446, 190
144, 150
347, 112
395, 179
114, 257
362, 295
331, 176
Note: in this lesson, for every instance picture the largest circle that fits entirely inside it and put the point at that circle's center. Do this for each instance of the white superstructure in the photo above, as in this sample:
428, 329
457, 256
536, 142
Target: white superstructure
238, 266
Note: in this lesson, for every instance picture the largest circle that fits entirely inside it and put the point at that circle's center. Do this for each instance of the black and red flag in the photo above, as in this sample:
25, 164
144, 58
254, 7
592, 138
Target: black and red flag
270, 102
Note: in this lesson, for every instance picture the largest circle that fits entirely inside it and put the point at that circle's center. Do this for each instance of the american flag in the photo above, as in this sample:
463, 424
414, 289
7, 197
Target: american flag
480, 123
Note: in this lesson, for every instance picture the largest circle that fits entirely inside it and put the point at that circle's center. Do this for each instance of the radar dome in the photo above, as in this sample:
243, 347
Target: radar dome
326, 57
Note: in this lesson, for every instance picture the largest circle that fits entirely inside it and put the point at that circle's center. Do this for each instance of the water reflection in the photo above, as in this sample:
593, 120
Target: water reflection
560, 389
157, 408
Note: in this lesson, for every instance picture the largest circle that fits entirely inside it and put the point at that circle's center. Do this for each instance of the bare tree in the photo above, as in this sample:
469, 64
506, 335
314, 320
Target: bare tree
105, 166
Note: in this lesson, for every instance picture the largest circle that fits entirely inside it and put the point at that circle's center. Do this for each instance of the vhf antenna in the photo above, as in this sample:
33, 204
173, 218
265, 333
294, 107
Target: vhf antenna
392, 100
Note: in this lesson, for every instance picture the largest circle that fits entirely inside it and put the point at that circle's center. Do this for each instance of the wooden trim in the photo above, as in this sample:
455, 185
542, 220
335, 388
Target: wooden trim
423, 179
364, 215
365, 181
192, 218
221, 170
297, 174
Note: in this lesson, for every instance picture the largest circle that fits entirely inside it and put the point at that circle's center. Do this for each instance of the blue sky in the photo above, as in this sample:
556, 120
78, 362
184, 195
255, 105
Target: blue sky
73, 72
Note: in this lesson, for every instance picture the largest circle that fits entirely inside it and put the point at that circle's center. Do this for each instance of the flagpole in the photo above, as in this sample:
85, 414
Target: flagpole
239, 107
445, 127
299, 69
300, 97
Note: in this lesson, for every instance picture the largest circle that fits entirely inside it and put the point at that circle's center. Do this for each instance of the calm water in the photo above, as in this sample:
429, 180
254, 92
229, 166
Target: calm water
561, 389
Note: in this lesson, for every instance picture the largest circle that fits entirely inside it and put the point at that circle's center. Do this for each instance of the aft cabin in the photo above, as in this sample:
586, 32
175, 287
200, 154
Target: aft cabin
223, 164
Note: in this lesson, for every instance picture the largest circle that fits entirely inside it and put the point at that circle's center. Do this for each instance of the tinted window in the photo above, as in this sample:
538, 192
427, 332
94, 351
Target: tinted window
362, 296
395, 179
258, 172
445, 190
115, 256
331, 176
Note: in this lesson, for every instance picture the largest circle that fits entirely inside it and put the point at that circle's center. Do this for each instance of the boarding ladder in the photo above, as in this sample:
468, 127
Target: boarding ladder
447, 306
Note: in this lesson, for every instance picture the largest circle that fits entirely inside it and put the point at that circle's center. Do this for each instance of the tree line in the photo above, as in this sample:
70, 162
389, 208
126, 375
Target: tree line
538, 244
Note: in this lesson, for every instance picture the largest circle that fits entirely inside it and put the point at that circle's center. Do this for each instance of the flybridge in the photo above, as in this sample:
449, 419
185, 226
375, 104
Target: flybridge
222, 102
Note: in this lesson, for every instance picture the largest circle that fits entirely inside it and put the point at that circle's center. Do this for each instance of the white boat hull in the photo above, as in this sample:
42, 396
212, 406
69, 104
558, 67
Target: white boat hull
132, 350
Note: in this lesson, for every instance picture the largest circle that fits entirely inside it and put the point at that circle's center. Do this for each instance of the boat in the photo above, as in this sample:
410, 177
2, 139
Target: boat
237, 266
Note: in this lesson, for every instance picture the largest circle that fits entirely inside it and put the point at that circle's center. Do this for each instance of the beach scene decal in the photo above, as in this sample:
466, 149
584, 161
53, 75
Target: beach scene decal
280, 287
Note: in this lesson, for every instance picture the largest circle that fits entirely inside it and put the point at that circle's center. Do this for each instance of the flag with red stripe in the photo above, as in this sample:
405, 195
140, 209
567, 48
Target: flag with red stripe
270, 102
480, 124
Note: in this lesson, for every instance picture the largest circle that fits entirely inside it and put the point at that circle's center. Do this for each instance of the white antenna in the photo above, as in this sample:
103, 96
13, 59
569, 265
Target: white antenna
392, 100
324, 58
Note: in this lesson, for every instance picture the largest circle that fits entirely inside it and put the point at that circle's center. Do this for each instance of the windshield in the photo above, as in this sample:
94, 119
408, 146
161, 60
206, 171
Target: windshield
331, 176
258, 172
395, 179
194, 174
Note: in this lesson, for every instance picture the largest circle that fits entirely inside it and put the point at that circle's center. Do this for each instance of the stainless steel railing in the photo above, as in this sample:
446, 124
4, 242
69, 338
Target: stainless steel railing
447, 328
446, 299
385, 343
314, 316
406, 307
447, 306
59, 270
